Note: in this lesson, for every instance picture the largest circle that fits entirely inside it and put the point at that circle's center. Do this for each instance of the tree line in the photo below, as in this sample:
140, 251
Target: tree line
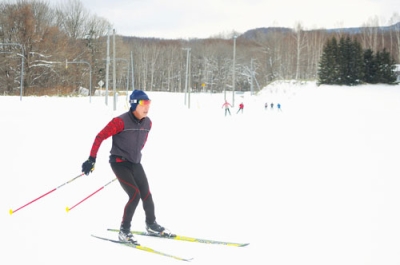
346, 63
41, 40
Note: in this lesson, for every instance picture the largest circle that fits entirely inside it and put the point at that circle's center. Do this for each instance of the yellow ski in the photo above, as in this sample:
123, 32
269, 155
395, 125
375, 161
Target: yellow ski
147, 249
186, 238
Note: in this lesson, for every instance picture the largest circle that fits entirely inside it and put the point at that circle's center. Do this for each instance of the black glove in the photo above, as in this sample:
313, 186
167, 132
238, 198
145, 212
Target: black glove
88, 165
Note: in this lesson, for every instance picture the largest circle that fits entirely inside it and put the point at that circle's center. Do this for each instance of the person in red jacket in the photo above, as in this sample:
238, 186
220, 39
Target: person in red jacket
241, 106
129, 133
226, 105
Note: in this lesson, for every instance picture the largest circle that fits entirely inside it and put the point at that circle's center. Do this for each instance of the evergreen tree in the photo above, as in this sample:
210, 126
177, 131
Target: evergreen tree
345, 63
327, 67
342, 62
357, 63
370, 67
386, 68
350, 61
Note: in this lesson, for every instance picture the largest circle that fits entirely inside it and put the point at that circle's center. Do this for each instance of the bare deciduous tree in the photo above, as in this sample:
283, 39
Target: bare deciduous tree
51, 35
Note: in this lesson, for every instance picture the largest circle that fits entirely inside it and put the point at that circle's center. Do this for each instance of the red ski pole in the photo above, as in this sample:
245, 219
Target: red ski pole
47, 193
70, 208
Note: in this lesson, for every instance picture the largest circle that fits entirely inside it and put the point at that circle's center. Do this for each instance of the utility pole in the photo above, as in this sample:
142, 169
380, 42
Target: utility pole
187, 72
107, 65
252, 76
114, 73
233, 71
127, 75
133, 76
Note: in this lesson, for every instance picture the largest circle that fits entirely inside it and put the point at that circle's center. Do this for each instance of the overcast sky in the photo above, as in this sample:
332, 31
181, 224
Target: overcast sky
206, 18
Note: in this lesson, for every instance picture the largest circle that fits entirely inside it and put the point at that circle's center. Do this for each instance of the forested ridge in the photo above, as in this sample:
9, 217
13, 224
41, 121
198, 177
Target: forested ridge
57, 49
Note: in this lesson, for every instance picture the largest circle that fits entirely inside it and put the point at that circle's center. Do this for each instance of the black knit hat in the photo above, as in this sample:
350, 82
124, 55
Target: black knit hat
135, 97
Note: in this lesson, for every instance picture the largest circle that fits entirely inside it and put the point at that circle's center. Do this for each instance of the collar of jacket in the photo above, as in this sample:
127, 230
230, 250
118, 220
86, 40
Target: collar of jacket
136, 119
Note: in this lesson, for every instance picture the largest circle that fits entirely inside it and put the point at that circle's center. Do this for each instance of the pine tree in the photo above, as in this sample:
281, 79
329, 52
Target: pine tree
386, 68
350, 54
370, 67
327, 67
357, 63
345, 63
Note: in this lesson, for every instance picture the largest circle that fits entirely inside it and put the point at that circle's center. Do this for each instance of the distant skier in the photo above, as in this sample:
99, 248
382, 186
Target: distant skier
272, 106
241, 106
279, 107
266, 106
226, 105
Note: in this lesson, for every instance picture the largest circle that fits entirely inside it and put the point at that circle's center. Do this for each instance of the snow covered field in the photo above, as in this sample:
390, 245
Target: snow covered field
317, 183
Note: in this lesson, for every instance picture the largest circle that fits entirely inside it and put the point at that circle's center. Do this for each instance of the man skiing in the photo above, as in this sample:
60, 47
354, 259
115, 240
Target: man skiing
129, 133
226, 105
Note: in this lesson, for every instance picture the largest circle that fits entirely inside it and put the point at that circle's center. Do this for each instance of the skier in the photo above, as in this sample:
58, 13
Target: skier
129, 133
241, 106
266, 106
226, 105
279, 107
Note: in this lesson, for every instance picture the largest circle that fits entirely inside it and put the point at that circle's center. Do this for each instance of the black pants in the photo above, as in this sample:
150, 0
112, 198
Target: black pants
134, 181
